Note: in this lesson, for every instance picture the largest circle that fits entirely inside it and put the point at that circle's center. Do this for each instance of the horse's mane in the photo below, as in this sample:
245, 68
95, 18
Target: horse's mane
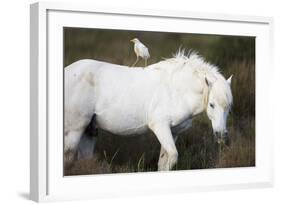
195, 62
189, 59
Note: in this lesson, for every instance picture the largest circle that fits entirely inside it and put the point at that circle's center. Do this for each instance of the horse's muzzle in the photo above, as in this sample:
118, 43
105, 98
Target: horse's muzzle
222, 138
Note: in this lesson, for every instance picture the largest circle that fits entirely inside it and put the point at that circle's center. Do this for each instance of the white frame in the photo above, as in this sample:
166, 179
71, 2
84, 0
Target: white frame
42, 178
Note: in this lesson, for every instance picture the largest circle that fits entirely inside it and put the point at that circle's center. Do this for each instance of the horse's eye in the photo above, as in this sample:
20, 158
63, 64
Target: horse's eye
212, 105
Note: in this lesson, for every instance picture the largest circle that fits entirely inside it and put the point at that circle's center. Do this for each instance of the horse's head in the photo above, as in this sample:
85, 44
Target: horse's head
218, 107
216, 90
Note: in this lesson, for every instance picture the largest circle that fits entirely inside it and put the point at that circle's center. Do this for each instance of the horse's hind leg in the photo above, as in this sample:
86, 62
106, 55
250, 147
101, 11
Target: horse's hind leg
70, 145
88, 140
86, 146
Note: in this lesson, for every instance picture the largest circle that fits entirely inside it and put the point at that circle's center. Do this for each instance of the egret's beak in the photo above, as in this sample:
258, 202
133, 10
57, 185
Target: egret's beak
132, 40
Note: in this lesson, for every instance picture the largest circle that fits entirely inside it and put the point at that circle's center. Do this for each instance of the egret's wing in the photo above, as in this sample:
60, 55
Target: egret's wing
138, 50
142, 46
144, 51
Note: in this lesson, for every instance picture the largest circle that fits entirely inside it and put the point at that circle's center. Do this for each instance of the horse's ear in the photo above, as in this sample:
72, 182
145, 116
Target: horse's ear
229, 80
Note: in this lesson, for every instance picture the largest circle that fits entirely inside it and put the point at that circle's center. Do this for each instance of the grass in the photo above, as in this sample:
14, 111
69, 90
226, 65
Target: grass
196, 147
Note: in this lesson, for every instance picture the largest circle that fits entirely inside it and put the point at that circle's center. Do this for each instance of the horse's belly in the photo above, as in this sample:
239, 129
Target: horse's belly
121, 124
130, 131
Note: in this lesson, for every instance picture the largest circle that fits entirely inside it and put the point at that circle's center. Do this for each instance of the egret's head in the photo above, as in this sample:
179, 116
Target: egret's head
135, 40
218, 107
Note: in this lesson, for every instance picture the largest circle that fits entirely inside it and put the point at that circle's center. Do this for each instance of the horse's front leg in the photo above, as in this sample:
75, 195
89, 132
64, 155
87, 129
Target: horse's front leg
163, 157
168, 153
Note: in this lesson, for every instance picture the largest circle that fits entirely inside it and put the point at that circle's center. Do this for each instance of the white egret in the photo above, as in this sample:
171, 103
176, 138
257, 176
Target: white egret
141, 51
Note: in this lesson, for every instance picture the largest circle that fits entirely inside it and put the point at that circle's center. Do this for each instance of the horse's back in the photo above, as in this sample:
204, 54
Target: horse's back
119, 95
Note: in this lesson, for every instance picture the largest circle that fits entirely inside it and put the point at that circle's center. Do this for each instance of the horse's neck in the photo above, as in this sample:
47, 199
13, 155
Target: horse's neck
194, 97
203, 100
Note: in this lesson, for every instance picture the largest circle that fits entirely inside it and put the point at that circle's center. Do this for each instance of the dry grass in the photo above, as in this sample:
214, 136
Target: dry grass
196, 147
242, 151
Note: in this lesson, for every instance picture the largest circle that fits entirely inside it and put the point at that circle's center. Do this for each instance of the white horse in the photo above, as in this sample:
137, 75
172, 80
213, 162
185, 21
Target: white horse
162, 98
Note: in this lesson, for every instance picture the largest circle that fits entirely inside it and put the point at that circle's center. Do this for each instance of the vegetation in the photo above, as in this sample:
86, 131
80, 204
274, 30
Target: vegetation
197, 150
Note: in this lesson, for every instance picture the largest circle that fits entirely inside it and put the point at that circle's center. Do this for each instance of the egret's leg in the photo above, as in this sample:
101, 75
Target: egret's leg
135, 62
164, 135
145, 62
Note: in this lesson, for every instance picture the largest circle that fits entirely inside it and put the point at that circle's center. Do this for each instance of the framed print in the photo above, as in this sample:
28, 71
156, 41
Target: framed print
125, 98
